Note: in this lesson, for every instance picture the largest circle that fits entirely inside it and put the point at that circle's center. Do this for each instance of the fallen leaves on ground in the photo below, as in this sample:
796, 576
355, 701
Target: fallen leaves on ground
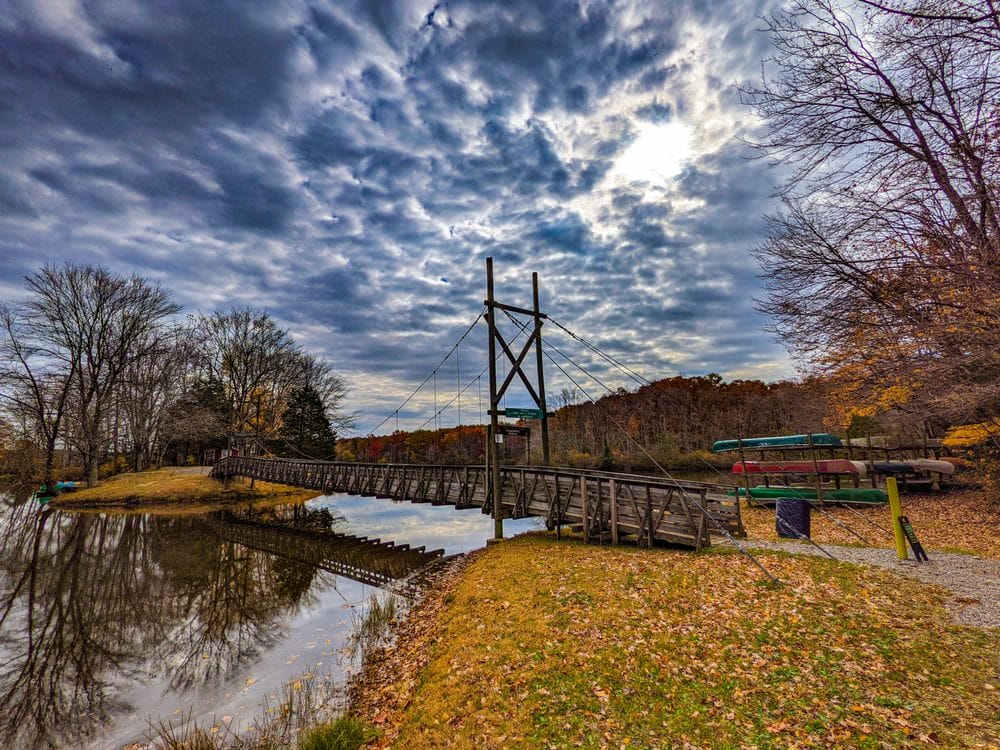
383, 690
544, 644
956, 521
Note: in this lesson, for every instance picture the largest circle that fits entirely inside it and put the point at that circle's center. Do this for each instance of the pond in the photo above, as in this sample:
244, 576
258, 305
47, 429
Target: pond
111, 621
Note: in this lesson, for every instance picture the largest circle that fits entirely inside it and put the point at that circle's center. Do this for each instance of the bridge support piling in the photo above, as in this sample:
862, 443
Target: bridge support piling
493, 455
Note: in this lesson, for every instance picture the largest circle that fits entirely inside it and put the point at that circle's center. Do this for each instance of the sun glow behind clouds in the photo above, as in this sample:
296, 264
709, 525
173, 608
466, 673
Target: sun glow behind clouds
657, 155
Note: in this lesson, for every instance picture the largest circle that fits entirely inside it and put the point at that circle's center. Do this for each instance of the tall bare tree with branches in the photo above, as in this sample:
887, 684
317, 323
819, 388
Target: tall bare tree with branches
35, 383
86, 327
259, 365
884, 263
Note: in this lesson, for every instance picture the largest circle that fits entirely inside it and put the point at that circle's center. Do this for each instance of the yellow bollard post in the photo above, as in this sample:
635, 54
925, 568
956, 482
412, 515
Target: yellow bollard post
897, 529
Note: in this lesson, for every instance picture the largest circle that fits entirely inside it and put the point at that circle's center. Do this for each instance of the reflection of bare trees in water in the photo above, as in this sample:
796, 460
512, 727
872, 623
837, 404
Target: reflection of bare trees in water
224, 606
92, 603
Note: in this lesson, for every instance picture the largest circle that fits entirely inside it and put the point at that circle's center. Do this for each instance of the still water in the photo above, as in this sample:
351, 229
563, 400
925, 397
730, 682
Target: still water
109, 621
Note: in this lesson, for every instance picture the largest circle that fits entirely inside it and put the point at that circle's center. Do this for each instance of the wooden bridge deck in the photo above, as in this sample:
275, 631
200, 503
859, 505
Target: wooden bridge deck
608, 506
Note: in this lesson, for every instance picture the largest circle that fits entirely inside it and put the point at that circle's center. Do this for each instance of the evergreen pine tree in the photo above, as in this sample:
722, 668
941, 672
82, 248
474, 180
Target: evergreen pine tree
305, 431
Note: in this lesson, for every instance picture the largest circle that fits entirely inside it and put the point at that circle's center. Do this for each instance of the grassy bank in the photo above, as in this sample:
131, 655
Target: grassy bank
540, 643
179, 485
959, 521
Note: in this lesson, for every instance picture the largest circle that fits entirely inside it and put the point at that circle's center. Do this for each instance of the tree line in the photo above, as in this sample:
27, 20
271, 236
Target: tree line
672, 422
97, 366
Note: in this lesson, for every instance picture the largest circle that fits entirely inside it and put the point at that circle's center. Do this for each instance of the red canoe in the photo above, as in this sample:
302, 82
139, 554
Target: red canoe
829, 466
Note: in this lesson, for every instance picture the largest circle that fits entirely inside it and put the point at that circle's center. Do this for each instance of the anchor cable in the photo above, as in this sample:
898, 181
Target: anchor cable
638, 378
725, 532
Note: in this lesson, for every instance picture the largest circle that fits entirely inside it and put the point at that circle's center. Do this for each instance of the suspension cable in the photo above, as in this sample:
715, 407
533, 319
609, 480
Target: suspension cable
477, 380
433, 373
684, 493
638, 378
667, 474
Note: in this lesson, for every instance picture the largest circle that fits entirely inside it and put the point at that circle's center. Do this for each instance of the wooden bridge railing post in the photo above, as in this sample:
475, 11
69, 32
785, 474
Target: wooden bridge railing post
613, 509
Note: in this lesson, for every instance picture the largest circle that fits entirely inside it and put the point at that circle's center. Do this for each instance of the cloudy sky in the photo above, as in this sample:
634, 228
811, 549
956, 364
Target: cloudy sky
348, 166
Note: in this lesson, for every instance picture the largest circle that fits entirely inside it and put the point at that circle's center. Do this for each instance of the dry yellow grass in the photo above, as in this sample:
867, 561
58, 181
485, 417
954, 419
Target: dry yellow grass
961, 521
546, 644
175, 485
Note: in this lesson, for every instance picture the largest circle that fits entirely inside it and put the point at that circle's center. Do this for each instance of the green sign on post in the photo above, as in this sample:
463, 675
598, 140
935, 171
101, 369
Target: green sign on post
523, 413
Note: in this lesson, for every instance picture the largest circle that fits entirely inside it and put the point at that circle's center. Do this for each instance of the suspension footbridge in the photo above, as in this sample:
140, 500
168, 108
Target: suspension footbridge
605, 506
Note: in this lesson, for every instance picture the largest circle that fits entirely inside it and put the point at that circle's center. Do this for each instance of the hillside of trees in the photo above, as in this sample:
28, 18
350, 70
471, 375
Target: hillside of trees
672, 422
96, 370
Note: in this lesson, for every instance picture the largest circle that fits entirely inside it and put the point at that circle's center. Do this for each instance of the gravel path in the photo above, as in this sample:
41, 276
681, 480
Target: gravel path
974, 582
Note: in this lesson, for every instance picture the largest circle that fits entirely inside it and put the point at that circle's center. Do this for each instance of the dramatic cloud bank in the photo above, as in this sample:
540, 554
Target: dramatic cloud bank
348, 166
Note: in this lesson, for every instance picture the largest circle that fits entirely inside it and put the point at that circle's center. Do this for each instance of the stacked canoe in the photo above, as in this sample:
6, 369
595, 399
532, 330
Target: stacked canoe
777, 442
917, 469
828, 467
822, 466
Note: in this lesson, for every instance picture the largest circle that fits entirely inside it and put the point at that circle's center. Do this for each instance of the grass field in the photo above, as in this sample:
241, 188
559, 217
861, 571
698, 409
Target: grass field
175, 485
546, 644
958, 521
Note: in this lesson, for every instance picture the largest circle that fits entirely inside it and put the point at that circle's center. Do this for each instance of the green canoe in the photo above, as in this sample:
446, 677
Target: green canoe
823, 439
848, 495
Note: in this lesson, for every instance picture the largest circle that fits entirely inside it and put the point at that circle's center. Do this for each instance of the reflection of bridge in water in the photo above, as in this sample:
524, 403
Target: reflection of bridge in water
369, 561
608, 506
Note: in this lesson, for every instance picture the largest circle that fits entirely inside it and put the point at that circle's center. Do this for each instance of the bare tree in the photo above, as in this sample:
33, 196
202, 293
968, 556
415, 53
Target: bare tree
149, 387
35, 383
319, 375
883, 262
197, 419
255, 360
93, 326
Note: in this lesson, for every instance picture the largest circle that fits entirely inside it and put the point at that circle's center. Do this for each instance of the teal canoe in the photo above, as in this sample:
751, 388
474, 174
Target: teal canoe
823, 439
845, 495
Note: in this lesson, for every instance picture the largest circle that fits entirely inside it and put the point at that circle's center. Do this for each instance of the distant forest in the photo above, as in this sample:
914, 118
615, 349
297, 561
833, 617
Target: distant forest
673, 422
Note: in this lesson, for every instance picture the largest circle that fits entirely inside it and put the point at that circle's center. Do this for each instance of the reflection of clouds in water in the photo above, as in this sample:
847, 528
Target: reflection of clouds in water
176, 616
416, 524
184, 613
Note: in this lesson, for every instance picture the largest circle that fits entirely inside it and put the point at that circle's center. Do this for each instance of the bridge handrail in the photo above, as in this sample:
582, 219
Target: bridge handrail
560, 470
605, 502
